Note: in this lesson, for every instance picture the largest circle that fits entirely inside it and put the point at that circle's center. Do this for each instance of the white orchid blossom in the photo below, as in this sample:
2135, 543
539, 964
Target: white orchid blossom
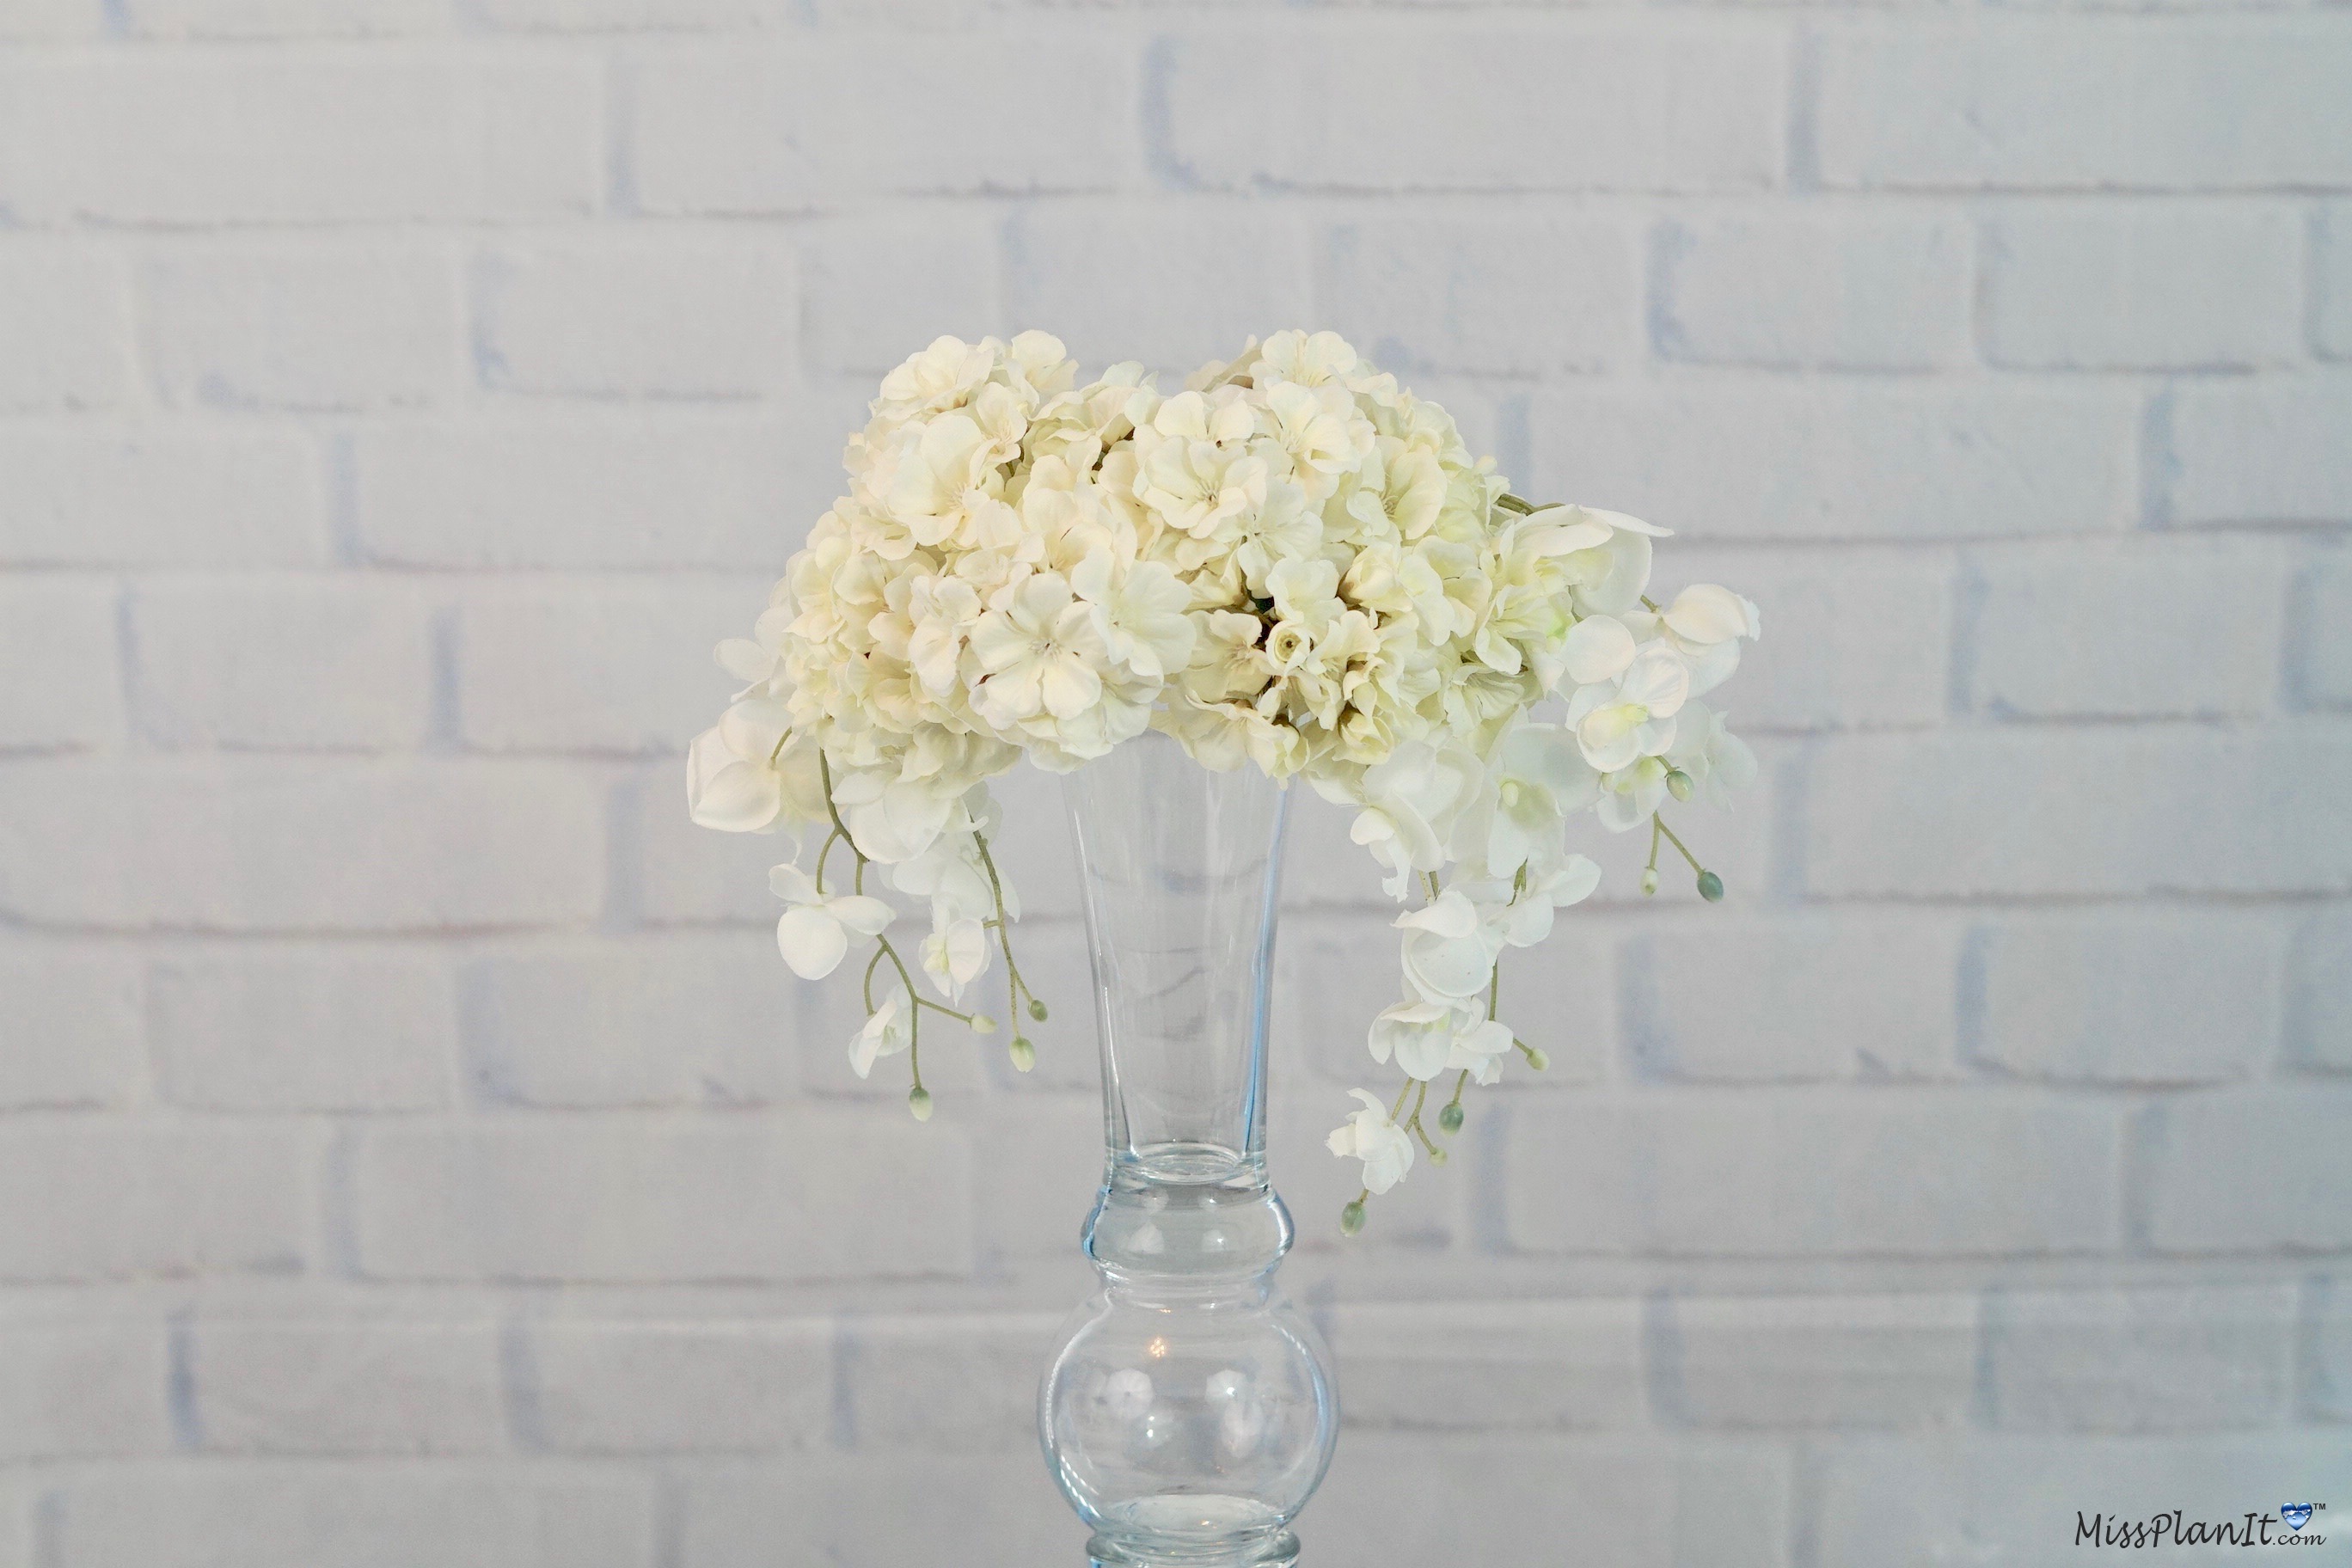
950, 876
1716, 760
813, 934
1411, 804
1480, 1050
1449, 950
884, 1034
892, 819
1706, 624
1371, 1136
1420, 1035
1620, 721
954, 954
1538, 778
749, 773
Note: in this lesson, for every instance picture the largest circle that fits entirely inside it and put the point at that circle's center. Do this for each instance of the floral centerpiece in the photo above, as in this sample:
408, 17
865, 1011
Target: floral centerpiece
1293, 565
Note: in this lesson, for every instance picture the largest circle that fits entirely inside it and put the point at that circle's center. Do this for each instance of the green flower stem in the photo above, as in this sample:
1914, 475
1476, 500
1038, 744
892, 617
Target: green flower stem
883, 948
1459, 1085
1513, 504
914, 1010
1012, 978
1412, 1122
1494, 994
841, 828
1397, 1109
1015, 987
1659, 822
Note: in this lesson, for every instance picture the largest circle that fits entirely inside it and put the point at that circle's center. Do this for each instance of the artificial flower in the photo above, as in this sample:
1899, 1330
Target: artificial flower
1369, 1135
1294, 565
954, 953
884, 1034
1419, 1034
813, 934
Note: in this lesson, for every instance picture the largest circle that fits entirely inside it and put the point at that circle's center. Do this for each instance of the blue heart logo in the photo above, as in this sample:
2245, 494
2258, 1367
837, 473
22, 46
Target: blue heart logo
2296, 1514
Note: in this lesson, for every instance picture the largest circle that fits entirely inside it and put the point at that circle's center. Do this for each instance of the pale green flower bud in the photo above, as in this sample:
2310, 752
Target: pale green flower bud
982, 1024
1649, 882
1710, 886
1679, 784
1438, 1156
1450, 1119
1351, 1218
919, 1100
1036, 1009
1023, 1054
1537, 1058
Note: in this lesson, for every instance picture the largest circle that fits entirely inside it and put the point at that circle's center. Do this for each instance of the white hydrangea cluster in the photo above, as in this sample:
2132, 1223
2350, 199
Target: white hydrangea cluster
1294, 565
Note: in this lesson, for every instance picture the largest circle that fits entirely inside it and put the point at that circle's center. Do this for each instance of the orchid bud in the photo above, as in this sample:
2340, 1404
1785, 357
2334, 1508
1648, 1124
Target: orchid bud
1679, 784
1351, 1218
1710, 886
919, 1100
1450, 1119
1537, 1058
1036, 1009
1438, 1156
1649, 880
1023, 1054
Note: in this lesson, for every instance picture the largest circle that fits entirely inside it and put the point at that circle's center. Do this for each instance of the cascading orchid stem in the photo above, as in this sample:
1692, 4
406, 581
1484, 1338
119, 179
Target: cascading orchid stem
825, 854
1017, 988
918, 1099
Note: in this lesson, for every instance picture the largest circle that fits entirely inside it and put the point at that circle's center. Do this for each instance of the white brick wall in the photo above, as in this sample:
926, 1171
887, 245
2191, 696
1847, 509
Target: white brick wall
410, 1149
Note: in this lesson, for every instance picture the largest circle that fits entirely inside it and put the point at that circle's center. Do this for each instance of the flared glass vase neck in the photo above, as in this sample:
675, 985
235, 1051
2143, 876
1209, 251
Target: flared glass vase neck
1181, 869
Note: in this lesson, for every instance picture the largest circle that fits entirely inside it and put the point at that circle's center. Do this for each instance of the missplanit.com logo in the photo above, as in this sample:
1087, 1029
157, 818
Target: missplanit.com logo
2289, 1525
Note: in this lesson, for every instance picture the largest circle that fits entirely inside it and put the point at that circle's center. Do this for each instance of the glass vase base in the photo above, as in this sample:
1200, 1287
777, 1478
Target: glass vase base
1282, 1552
1177, 1549
1193, 1529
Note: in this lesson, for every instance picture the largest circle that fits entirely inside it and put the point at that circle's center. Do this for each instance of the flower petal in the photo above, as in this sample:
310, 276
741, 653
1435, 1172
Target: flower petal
1597, 649
864, 915
1448, 916
1705, 613
1657, 679
738, 797
812, 941
792, 885
745, 660
1574, 882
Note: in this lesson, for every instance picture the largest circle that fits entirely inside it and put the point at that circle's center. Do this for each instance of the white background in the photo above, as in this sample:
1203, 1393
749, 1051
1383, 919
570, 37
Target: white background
412, 1150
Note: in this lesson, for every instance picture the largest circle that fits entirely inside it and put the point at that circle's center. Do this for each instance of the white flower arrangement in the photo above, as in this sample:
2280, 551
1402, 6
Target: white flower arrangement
1293, 565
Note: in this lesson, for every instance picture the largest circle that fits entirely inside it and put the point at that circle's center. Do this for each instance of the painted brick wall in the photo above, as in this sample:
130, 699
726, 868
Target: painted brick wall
411, 1150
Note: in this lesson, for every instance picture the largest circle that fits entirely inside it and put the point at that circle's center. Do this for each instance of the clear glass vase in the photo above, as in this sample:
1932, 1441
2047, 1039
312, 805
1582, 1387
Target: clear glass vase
1189, 1414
